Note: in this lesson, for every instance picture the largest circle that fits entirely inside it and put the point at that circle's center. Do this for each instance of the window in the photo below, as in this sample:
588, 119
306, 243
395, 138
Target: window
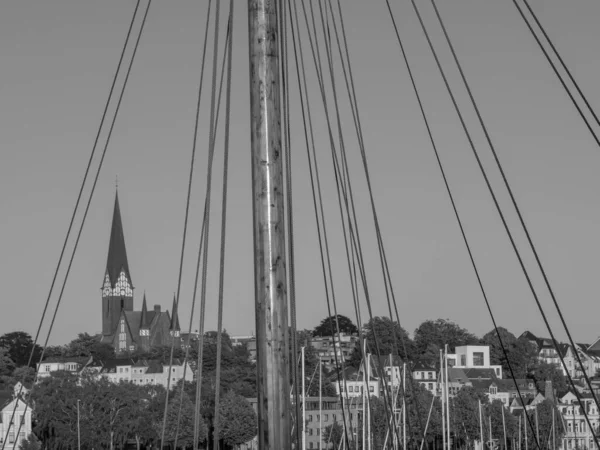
310, 417
493, 390
334, 418
11, 437
310, 431
48, 368
478, 359
132, 348
430, 386
351, 389
310, 445
463, 360
430, 375
371, 389
326, 417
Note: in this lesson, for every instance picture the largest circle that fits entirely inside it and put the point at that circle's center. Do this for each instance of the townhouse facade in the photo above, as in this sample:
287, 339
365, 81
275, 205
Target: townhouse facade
15, 420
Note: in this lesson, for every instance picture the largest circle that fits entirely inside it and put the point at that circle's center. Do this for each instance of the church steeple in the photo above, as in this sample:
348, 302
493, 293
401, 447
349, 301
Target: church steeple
117, 290
175, 328
144, 322
117, 253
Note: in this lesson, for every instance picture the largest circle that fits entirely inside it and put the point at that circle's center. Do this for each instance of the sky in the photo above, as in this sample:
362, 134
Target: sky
58, 59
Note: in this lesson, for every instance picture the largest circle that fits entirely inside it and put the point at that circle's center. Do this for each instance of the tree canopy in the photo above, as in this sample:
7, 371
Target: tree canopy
237, 419
329, 326
385, 337
521, 354
433, 335
20, 348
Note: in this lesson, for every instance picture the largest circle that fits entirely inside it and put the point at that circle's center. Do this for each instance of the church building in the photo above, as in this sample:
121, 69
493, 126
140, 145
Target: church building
123, 327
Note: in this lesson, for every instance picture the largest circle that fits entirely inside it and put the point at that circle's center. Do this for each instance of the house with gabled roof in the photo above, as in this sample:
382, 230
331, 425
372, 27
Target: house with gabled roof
15, 420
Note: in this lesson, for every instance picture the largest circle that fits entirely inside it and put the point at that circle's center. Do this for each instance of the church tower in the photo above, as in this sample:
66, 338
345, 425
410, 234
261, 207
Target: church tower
117, 291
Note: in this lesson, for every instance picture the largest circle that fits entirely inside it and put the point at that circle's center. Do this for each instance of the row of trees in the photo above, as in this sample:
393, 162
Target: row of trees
111, 414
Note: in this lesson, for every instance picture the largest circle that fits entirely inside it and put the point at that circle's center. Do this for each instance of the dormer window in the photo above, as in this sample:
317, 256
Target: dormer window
493, 390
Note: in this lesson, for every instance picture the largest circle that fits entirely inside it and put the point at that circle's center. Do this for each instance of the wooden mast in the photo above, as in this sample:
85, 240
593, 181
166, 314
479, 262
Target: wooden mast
268, 221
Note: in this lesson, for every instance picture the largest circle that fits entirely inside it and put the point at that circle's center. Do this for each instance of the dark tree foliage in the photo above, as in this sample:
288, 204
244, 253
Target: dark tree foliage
493, 413
464, 410
20, 348
329, 326
180, 422
238, 421
7, 365
433, 335
521, 353
385, 337
87, 345
379, 424
418, 404
543, 425
333, 434
31, 443
541, 371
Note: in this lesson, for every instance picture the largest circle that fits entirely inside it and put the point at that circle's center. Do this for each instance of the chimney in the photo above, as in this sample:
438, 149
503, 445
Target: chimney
548, 390
156, 308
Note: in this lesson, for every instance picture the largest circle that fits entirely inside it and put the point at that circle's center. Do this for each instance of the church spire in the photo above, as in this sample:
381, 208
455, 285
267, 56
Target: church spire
117, 254
144, 322
174, 317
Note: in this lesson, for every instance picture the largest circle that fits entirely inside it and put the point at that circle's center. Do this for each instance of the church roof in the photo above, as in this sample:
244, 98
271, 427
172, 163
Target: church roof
117, 254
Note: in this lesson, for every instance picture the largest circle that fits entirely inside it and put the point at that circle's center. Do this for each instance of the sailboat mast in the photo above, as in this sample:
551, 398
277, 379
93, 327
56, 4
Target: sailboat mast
481, 426
270, 280
447, 396
320, 403
443, 400
303, 403
404, 406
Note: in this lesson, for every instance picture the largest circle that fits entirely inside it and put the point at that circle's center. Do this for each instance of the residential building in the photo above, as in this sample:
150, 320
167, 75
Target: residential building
426, 376
74, 365
126, 370
122, 327
473, 357
353, 384
15, 423
339, 346
578, 433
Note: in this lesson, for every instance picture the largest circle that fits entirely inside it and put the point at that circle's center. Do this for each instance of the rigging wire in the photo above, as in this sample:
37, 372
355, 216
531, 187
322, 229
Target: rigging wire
451, 196
517, 209
194, 146
491, 191
560, 59
93, 188
315, 183
229, 51
206, 217
350, 86
287, 162
555, 69
347, 190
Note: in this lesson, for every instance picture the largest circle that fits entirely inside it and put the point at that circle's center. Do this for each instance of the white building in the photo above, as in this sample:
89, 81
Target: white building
426, 376
73, 365
473, 357
123, 370
9, 430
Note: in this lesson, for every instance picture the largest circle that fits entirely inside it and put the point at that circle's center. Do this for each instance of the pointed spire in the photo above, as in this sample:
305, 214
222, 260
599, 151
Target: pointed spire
144, 322
117, 255
175, 316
